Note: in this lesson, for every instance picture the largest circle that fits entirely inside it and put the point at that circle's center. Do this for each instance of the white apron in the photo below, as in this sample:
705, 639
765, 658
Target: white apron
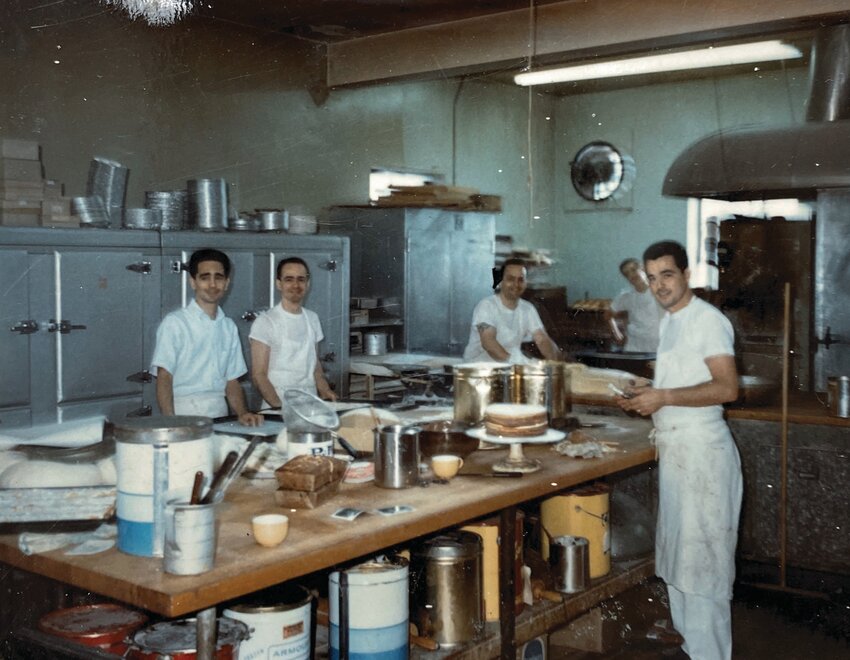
203, 403
295, 363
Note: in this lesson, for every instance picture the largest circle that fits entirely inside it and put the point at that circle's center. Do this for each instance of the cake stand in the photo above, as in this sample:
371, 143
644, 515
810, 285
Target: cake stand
516, 460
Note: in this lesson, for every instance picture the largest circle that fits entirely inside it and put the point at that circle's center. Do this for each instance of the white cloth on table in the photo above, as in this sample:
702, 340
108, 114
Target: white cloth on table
292, 340
513, 326
201, 354
644, 318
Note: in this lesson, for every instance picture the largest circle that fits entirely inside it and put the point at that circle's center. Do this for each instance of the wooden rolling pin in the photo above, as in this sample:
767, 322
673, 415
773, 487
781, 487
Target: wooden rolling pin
540, 591
422, 642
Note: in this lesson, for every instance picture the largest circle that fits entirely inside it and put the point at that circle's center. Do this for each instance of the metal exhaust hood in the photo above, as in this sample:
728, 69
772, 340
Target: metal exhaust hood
792, 161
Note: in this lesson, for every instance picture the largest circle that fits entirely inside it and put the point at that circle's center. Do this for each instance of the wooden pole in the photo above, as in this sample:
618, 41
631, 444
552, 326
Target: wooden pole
783, 451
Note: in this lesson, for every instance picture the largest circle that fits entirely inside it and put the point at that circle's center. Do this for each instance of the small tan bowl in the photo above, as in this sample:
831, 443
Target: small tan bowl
270, 529
446, 466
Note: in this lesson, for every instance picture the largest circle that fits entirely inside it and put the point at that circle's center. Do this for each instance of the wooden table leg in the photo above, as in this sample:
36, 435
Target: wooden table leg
507, 582
206, 634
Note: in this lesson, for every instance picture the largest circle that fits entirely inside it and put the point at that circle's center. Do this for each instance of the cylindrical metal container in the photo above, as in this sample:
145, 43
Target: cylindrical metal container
207, 204
272, 219
243, 222
312, 443
375, 343
447, 601
488, 530
177, 640
584, 513
303, 224
108, 180
478, 384
568, 557
375, 597
135, 218
397, 456
156, 459
91, 211
544, 382
279, 624
104, 625
838, 391
190, 538
171, 204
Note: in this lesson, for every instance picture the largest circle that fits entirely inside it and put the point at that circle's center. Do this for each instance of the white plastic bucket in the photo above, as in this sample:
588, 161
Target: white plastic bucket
156, 459
378, 610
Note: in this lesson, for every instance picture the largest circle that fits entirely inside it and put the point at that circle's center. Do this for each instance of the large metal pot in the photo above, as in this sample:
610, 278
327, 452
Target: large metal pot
478, 384
396, 456
545, 383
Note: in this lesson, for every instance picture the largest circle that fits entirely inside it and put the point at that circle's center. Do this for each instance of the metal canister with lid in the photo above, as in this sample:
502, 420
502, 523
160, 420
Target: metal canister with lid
543, 382
101, 625
177, 640
478, 384
447, 599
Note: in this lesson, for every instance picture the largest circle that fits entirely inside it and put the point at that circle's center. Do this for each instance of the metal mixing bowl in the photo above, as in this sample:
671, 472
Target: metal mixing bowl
446, 437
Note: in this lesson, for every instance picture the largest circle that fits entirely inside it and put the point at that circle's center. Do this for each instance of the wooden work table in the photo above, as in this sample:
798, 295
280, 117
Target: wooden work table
316, 541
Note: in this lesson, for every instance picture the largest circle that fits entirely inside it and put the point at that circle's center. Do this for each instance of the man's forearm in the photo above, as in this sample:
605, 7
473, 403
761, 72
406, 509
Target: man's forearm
267, 390
236, 397
164, 392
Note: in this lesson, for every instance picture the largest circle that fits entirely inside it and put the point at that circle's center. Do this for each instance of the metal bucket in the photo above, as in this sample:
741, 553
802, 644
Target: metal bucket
311, 443
102, 625
207, 204
584, 513
397, 456
570, 562
446, 591
279, 624
156, 459
375, 343
544, 383
478, 384
838, 391
369, 616
190, 538
272, 219
178, 640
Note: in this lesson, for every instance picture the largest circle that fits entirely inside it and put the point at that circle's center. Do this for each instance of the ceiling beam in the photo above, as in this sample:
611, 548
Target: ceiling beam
565, 31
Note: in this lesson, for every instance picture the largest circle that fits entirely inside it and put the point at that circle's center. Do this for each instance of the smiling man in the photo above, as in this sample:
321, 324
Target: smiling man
699, 477
198, 358
501, 322
638, 309
285, 340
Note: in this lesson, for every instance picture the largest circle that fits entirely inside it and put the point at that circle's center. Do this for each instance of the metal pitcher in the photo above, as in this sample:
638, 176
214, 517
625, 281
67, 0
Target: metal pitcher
396, 456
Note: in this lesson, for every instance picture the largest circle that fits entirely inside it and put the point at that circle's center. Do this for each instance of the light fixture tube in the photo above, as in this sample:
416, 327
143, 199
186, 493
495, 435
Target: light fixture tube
762, 51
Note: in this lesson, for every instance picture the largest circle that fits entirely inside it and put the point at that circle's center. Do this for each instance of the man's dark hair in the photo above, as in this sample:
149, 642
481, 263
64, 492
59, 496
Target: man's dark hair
626, 262
291, 260
667, 249
208, 254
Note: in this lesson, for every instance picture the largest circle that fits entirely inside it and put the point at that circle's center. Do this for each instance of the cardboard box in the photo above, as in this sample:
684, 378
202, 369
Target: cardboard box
61, 206
29, 190
364, 303
18, 169
21, 149
359, 317
60, 221
20, 217
53, 189
20, 204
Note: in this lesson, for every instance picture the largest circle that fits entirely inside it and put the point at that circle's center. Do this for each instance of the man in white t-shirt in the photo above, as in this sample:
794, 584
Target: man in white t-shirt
285, 339
699, 471
638, 309
501, 322
198, 357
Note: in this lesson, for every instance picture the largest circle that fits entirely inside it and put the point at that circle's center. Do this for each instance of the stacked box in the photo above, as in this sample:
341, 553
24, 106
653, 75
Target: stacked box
21, 183
57, 213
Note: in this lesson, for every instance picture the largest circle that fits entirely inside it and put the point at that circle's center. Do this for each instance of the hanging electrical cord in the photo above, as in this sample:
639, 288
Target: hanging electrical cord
532, 46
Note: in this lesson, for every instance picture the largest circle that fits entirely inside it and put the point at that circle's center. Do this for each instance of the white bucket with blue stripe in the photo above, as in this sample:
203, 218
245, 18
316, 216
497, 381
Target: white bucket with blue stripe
156, 459
378, 610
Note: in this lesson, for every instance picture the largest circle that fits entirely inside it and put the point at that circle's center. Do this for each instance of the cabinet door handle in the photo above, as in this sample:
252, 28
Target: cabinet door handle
143, 267
25, 327
63, 327
144, 376
328, 357
329, 265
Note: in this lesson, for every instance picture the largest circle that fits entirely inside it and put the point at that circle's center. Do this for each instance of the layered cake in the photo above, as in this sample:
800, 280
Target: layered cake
519, 420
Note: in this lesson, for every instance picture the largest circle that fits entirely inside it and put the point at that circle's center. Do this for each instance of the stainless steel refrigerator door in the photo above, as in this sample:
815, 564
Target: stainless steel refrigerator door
17, 329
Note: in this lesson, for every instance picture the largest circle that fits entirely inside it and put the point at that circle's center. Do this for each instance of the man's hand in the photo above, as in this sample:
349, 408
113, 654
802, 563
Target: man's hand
644, 400
250, 419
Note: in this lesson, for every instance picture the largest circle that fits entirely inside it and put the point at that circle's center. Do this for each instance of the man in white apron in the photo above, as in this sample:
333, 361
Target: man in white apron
700, 483
501, 322
285, 340
638, 309
198, 357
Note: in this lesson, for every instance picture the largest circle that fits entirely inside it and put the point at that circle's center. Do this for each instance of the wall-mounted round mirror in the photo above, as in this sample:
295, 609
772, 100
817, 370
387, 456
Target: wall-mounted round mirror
599, 170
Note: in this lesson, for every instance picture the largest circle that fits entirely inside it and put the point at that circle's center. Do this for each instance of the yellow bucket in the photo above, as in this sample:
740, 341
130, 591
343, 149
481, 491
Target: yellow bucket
584, 513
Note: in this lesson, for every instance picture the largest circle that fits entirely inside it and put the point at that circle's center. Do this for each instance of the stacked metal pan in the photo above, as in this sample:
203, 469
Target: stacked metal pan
142, 218
91, 211
207, 204
172, 206
108, 180
272, 219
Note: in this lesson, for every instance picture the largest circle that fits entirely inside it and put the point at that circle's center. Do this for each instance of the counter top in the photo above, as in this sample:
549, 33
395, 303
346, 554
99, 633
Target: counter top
316, 541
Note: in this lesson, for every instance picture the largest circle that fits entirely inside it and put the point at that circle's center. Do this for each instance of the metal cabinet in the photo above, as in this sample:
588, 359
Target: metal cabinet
436, 262
76, 317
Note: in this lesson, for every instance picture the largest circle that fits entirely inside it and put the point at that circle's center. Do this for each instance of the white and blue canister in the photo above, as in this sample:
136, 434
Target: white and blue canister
156, 459
371, 632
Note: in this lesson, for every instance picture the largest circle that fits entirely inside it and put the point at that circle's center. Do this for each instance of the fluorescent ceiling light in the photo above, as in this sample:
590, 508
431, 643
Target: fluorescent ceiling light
762, 51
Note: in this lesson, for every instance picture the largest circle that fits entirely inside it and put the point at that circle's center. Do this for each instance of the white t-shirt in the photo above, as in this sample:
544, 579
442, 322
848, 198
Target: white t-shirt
644, 317
688, 337
200, 353
292, 340
513, 326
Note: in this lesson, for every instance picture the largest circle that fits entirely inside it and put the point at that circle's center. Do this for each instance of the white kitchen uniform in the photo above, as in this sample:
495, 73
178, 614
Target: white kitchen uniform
513, 326
202, 355
700, 485
292, 340
644, 317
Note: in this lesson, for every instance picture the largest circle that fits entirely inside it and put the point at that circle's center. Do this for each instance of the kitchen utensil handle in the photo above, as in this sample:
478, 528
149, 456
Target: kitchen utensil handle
346, 445
219, 476
196, 487
237, 467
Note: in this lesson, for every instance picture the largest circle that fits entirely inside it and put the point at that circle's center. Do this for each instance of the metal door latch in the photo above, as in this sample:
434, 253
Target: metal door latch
177, 267
329, 265
63, 327
25, 327
250, 315
144, 411
328, 357
144, 376
143, 267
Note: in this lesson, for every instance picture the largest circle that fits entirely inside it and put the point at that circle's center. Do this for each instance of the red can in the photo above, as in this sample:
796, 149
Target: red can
177, 640
104, 625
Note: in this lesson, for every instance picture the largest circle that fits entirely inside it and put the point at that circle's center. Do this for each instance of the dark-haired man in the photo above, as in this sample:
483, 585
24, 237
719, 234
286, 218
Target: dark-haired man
285, 339
198, 358
638, 309
501, 322
699, 475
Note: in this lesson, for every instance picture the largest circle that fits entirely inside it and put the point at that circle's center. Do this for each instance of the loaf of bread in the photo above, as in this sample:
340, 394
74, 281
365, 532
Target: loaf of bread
515, 419
309, 473
301, 499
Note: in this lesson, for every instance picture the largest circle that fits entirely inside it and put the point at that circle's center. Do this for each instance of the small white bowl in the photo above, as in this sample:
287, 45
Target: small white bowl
270, 529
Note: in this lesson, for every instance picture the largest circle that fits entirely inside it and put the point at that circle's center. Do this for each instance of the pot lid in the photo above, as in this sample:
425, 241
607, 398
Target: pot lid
452, 545
162, 430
